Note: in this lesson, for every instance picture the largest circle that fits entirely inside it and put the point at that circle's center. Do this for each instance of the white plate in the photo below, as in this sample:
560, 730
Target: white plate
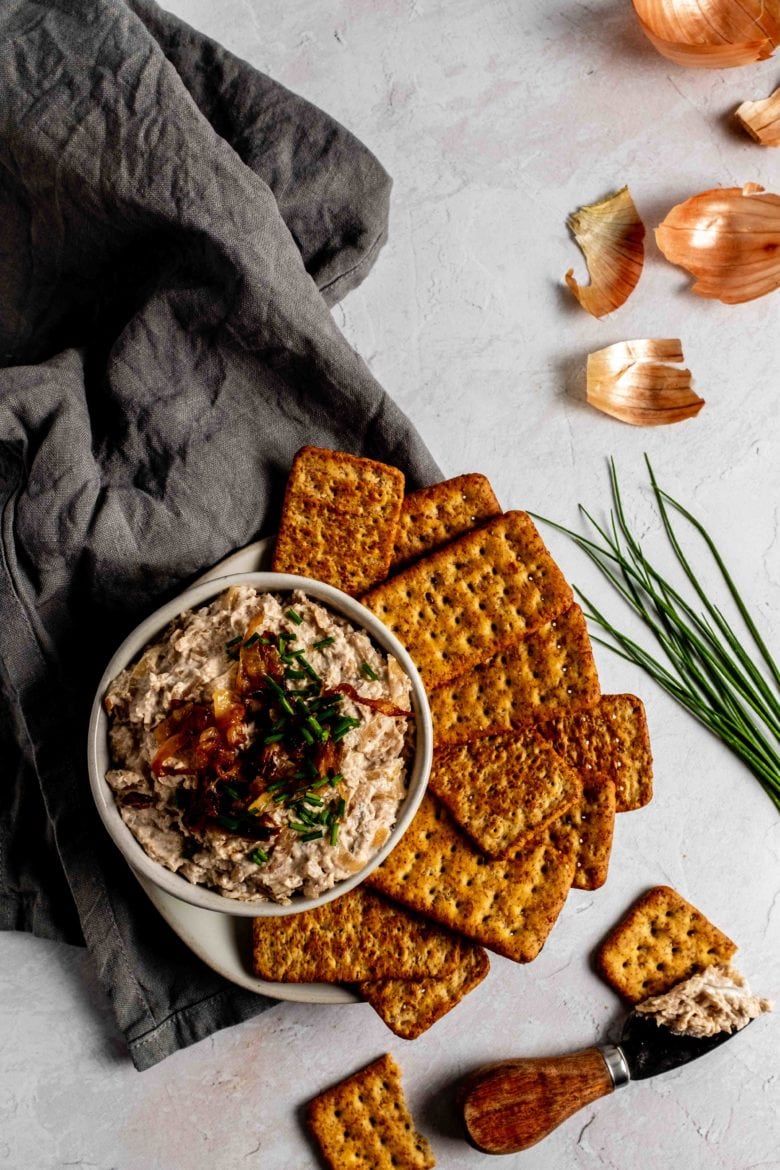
223, 941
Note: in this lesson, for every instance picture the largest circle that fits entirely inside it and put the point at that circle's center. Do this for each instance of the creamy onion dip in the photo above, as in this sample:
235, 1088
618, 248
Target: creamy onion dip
260, 746
715, 1000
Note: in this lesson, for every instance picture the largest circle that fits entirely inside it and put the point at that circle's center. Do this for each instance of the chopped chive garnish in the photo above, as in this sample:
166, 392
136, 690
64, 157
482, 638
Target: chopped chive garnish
284, 702
344, 725
228, 823
251, 641
340, 807
293, 616
323, 780
259, 856
280, 797
266, 641
310, 798
313, 836
323, 642
230, 790
290, 673
288, 636
315, 728
307, 735
299, 827
334, 780
277, 784
233, 642
334, 833
302, 661
276, 738
367, 672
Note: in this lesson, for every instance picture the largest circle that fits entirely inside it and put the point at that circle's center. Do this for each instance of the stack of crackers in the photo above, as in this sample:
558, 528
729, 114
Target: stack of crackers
531, 761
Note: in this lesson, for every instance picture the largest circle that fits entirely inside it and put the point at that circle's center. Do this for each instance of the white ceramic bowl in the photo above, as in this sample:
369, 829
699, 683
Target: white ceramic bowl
147, 631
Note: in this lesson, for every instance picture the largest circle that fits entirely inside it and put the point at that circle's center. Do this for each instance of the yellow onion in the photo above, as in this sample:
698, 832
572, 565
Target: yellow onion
711, 34
729, 239
638, 382
611, 235
761, 119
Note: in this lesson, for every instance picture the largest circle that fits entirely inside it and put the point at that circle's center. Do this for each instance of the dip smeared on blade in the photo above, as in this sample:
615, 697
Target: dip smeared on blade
715, 1000
259, 746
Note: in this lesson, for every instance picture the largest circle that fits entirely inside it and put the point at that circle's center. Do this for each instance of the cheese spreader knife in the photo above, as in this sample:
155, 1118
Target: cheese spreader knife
513, 1104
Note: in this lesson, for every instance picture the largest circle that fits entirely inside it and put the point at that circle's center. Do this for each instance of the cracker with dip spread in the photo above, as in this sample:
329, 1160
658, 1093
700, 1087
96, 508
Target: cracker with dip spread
433, 516
548, 672
364, 1123
661, 940
462, 603
502, 789
339, 519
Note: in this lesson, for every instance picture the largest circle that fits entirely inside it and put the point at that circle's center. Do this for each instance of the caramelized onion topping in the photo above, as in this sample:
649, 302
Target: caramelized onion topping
383, 706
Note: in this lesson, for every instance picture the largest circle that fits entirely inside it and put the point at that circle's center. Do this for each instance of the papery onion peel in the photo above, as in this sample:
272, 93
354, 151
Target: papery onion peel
729, 239
711, 34
761, 119
610, 234
637, 382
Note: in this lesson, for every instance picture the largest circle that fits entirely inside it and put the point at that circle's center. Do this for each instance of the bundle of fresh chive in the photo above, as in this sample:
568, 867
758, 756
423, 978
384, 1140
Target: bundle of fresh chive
730, 684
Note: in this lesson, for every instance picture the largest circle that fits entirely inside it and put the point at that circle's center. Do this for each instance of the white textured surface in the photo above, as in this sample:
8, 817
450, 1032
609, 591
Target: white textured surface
496, 119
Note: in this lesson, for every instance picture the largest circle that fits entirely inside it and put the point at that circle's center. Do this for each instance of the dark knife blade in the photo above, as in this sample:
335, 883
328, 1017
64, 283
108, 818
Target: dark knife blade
650, 1048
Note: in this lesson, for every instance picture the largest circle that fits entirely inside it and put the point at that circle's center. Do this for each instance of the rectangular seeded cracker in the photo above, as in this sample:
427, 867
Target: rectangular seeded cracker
410, 1006
435, 515
358, 936
339, 519
661, 941
593, 818
510, 906
502, 789
364, 1123
461, 603
609, 739
549, 671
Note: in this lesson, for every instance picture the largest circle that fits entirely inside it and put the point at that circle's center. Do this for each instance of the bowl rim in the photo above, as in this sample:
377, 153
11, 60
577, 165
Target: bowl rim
98, 756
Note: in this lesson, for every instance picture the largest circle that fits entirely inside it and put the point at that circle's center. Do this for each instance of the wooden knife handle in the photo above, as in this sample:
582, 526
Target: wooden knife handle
512, 1105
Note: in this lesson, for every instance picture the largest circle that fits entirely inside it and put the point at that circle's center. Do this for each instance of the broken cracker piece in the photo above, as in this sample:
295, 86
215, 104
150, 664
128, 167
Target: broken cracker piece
660, 941
608, 739
462, 603
508, 905
363, 1123
357, 936
410, 1006
502, 789
550, 671
433, 516
339, 519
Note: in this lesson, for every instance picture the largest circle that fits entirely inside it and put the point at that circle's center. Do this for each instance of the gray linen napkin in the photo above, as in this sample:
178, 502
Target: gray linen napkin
173, 226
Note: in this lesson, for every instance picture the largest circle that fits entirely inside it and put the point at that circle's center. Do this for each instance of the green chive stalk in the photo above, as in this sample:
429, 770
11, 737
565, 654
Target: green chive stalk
729, 683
